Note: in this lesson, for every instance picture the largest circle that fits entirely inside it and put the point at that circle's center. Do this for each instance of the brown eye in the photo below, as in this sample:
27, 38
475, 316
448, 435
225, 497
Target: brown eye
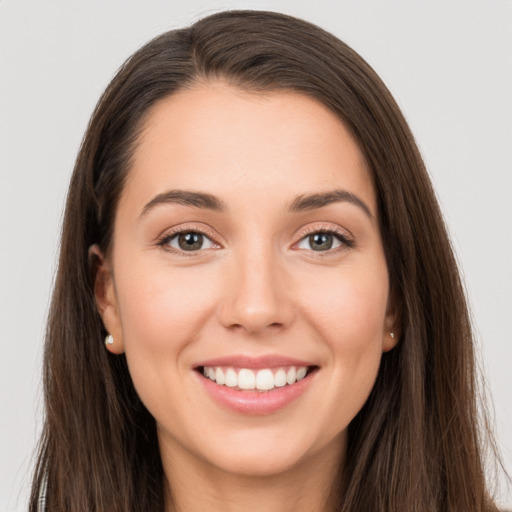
325, 241
190, 241
187, 241
321, 241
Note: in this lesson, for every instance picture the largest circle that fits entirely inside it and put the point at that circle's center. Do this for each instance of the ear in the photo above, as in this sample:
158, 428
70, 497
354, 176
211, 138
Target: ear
106, 298
392, 325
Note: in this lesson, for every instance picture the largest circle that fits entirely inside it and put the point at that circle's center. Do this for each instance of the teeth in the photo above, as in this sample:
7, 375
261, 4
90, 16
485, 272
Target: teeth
291, 376
301, 373
262, 380
246, 379
280, 378
231, 378
219, 376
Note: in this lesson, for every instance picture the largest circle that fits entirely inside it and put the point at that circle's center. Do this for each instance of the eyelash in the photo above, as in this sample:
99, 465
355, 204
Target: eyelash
346, 241
341, 236
167, 237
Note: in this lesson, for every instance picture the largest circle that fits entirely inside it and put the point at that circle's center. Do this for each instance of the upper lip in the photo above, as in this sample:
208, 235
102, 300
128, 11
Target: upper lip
245, 361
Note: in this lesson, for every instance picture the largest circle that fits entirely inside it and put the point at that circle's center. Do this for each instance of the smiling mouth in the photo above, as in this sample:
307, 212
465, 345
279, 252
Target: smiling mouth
264, 379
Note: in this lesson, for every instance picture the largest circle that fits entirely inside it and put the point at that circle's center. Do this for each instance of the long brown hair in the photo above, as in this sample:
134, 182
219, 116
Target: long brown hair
415, 445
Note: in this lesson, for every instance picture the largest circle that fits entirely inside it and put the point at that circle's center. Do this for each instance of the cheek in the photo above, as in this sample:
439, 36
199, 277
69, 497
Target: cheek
161, 308
162, 312
350, 308
349, 315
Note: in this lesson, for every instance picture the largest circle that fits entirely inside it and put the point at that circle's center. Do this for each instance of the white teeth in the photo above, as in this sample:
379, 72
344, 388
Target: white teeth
291, 376
262, 380
231, 379
301, 373
219, 376
280, 378
246, 379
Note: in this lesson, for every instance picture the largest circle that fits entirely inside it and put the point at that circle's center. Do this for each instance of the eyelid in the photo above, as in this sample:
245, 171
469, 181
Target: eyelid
323, 228
343, 235
168, 234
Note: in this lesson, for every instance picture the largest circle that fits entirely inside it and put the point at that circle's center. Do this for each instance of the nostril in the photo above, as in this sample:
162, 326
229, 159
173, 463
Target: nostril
256, 305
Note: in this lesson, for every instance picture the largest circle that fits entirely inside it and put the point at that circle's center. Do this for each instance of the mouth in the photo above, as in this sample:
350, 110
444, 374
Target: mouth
251, 379
255, 385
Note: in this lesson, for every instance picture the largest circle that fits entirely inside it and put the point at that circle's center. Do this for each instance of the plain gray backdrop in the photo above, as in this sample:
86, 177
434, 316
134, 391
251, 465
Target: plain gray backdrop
448, 64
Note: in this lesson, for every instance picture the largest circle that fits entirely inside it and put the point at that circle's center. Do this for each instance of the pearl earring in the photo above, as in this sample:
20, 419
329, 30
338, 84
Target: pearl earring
392, 334
109, 339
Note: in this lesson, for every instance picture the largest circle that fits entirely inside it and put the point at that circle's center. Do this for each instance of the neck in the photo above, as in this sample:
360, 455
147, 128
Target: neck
197, 485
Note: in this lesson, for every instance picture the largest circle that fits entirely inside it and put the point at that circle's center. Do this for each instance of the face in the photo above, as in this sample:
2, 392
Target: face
247, 282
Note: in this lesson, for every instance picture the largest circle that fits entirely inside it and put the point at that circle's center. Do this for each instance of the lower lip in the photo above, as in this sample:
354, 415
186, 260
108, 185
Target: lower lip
256, 402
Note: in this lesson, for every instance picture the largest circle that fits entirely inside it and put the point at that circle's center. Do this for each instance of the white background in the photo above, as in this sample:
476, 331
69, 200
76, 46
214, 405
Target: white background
449, 65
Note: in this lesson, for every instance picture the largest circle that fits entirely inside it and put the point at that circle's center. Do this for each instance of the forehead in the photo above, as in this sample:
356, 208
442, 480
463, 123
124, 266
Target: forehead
217, 138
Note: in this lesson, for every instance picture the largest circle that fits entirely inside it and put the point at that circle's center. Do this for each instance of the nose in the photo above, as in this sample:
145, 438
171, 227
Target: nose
257, 297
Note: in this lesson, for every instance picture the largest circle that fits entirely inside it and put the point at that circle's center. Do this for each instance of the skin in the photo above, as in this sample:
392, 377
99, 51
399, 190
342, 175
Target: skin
258, 288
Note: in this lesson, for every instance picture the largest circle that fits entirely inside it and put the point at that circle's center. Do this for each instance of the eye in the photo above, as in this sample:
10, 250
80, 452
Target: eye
189, 241
324, 240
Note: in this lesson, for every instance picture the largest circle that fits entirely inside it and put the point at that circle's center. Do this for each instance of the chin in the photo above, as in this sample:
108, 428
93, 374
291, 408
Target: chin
266, 454
252, 463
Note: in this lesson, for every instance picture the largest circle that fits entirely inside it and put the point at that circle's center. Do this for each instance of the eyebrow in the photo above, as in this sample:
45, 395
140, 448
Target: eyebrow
313, 201
303, 202
187, 198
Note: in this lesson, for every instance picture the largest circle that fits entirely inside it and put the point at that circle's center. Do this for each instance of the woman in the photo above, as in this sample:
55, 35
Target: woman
251, 230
